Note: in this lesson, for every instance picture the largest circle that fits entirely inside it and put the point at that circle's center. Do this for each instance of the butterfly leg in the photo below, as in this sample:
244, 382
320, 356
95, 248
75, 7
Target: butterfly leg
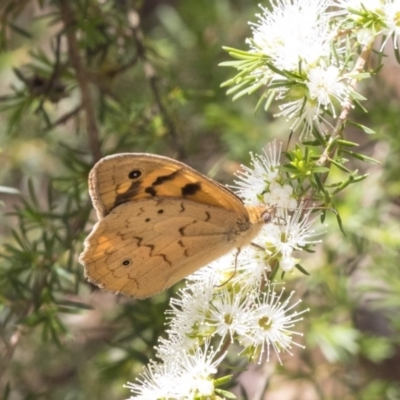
257, 246
234, 272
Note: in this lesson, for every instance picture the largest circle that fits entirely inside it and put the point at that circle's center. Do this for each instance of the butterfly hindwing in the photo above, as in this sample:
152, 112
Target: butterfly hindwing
143, 247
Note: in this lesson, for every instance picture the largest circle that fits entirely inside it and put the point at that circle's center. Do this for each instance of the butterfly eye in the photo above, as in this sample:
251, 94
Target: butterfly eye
126, 262
134, 174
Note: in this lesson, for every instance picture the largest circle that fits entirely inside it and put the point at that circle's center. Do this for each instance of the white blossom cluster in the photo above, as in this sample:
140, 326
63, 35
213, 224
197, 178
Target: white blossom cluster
231, 301
302, 54
372, 18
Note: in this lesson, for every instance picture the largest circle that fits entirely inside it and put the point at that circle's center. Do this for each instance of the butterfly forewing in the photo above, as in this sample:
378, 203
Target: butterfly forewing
121, 178
143, 247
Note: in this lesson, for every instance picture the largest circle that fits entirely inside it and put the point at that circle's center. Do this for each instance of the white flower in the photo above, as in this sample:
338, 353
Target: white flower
188, 312
325, 84
306, 39
252, 267
214, 274
197, 369
184, 376
280, 196
245, 270
253, 182
306, 113
228, 313
157, 381
392, 18
367, 16
291, 234
176, 342
215, 297
269, 323
301, 75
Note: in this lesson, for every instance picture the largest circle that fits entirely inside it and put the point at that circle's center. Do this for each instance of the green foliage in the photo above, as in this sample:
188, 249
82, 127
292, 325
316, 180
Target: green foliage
153, 85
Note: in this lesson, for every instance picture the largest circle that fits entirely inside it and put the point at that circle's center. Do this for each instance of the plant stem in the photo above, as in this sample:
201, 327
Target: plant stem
344, 114
67, 16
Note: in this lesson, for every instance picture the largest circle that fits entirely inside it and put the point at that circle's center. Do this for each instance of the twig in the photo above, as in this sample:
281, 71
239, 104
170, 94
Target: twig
359, 67
10, 348
50, 82
81, 75
12, 344
64, 118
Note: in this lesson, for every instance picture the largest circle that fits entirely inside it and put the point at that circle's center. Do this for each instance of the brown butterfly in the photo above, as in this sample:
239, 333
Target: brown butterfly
160, 221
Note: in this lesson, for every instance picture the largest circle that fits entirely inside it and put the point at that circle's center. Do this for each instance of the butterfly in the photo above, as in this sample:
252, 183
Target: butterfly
160, 220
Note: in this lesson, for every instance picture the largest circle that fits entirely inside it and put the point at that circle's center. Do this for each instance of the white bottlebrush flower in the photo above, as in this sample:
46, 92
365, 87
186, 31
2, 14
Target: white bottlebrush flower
157, 381
324, 85
269, 324
184, 376
228, 312
190, 308
281, 240
214, 274
198, 369
307, 114
176, 342
367, 15
252, 267
392, 19
213, 293
253, 182
281, 197
306, 40
301, 66
245, 270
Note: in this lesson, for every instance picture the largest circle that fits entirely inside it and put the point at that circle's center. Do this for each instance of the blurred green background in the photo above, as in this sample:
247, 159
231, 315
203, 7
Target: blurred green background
152, 81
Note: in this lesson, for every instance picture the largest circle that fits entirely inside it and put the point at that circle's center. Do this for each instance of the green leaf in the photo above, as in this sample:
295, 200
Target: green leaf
320, 170
240, 52
248, 90
75, 304
225, 393
20, 30
301, 269
346, 143
364, 128
339, 220
339, 165
361, 156
359, 106
223, 380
